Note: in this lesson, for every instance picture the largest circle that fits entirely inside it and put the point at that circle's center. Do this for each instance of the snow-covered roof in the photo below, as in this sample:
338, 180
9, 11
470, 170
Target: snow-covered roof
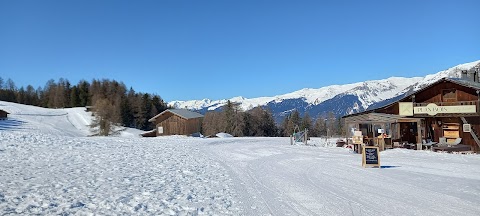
186, 114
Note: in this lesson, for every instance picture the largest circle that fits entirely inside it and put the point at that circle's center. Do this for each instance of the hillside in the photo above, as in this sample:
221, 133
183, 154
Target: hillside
74, 122
341, 99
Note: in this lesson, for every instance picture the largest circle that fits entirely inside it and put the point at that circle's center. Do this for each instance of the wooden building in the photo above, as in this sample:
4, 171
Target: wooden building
442, 111
176, 122
3, 114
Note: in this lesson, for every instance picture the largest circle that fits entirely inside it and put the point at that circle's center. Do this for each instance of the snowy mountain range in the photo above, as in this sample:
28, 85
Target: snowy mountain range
341, 99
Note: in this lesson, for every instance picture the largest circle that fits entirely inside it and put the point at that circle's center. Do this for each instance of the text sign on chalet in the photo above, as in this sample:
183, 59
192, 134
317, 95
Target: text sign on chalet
407, 109
370, 156
433, 109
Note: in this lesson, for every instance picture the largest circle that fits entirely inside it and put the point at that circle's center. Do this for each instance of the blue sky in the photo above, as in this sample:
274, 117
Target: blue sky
185, 50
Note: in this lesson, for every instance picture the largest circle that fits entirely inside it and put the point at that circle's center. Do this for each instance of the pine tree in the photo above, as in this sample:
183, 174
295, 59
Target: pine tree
10, 90
59, 94
42, 99
21, 96
306, 122
83, 93
229, 116
49, 94
266, 123
67, 94
31, 96
285, 124
319, 128
74, 97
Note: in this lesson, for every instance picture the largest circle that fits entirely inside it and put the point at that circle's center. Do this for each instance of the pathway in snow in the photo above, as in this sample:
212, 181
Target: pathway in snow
279, 179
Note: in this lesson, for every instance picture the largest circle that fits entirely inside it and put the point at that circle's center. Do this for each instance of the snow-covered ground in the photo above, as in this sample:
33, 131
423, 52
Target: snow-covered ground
48, 165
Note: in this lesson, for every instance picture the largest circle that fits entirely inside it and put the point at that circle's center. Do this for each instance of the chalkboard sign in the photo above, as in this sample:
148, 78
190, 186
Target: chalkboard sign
370, 156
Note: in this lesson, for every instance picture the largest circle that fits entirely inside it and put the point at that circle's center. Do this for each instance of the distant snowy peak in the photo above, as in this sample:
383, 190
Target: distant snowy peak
453, 72
378, 90
192, 104
368, 92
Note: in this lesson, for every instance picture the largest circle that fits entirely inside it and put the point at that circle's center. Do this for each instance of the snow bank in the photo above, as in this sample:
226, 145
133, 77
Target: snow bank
223, 135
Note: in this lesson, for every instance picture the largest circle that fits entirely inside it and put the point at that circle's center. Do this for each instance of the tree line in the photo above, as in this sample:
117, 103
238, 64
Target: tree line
112, 103
232, 120
260, 122
326, 125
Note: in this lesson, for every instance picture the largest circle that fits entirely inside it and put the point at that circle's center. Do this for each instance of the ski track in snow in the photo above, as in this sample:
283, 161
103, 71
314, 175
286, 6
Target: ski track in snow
279, 179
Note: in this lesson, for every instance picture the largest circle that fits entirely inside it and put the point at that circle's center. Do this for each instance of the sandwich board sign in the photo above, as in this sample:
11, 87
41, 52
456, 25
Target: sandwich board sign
357, 137
370, 156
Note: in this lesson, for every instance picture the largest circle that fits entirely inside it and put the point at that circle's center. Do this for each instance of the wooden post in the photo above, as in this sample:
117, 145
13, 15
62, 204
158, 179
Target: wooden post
419, 131
305, 136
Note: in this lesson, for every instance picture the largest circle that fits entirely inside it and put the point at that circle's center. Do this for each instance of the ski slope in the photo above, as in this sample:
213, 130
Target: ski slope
50, 166
73, 122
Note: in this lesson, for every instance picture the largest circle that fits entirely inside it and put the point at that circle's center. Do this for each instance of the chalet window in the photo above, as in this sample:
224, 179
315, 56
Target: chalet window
449, 95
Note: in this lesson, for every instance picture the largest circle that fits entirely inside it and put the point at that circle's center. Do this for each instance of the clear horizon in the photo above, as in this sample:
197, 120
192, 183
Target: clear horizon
184, 50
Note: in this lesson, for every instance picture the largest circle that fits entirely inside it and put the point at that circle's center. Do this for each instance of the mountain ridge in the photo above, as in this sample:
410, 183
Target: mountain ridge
341, 99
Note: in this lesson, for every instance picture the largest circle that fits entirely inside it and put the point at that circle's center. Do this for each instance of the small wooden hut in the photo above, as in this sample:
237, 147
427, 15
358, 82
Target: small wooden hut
176, 122
3, 114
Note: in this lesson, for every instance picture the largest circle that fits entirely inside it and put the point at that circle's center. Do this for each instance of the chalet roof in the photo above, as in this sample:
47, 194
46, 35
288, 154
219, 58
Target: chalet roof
4, 111
364, 118
458, 81
186, 114
466, 83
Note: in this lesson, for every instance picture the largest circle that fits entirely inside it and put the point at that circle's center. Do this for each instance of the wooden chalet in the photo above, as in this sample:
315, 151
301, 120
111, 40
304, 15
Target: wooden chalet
3, 114
176, 122
442, 111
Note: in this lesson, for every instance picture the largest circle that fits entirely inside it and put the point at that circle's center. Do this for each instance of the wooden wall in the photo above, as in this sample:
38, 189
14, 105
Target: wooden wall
434, 95
3, 114
176, 125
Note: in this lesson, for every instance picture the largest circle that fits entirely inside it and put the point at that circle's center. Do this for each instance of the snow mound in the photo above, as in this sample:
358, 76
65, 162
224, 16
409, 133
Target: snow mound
223, 135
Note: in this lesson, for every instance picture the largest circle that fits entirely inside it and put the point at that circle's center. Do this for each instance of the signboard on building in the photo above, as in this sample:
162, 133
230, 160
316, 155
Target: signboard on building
370, 156
405, 108
433, 109
357, 137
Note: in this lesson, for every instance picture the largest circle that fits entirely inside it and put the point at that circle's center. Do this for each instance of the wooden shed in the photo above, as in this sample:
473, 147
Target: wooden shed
3, 114
177, 122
